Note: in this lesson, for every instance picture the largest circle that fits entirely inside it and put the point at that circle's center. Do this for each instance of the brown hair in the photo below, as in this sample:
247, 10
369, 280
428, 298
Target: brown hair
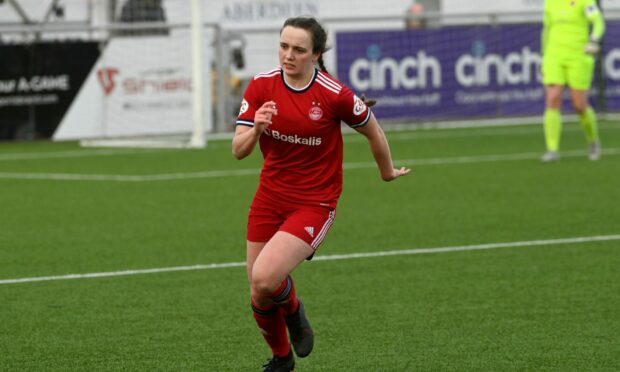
319, 35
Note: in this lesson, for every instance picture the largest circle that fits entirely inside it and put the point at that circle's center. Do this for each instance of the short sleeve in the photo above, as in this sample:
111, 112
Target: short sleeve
351, 109
591, 9
249, 105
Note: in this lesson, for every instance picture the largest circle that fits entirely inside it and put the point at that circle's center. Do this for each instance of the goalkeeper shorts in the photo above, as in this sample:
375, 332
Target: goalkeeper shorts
573, 70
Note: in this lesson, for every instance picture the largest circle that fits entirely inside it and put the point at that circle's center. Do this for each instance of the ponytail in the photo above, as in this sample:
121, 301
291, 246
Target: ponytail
322, 64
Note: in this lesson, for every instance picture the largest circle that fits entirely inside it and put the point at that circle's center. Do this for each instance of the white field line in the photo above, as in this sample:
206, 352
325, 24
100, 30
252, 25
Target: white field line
73, 154
421, 134
350, 256
410, 133
476, 159
254, 171
127, 178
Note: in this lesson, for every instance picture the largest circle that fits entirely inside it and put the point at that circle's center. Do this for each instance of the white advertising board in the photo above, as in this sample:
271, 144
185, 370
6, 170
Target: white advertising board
139, 87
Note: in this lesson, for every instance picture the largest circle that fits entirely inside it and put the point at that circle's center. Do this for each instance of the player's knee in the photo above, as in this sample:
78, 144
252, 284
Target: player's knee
554, 101
262, 286
580, 107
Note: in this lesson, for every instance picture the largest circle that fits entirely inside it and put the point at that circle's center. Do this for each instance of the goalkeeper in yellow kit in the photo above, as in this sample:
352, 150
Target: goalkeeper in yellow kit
572, 31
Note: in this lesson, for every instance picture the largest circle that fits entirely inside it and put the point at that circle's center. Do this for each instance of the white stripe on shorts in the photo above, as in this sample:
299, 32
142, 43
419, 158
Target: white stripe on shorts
319, 238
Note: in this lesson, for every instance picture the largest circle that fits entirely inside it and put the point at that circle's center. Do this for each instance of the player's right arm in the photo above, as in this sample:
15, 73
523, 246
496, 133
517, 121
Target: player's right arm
595, 17
246, 136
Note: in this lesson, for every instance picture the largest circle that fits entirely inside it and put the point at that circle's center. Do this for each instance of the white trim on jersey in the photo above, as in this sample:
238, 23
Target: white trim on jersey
271, 73
327, 80
245, 122
363, 122
326, 86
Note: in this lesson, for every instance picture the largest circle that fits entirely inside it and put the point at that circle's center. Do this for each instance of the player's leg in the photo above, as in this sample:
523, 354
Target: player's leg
580, 80
253, 250
311, 225
272, 266
270, 286
587, 116
552, 122
269, 268
554, 80
263, 223
270, 320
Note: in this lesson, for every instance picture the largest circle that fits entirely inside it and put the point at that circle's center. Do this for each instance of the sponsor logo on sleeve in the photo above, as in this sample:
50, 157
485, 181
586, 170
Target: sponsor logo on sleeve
358, 106
244, 107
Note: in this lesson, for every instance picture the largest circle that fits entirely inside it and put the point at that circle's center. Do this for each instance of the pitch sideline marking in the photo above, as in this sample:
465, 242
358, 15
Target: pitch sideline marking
394, 135
254, 171
475, 247
74, 154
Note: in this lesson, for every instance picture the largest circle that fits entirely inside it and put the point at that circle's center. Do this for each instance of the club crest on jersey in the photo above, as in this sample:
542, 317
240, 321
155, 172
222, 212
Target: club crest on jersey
358, 106
315, 113
244, 106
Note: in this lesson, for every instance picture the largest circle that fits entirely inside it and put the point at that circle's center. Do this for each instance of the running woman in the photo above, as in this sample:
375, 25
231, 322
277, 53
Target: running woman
569, 49
294, 112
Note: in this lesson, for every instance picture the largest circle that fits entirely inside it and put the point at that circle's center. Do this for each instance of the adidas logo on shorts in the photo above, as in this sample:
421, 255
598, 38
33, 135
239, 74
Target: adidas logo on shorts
310, 230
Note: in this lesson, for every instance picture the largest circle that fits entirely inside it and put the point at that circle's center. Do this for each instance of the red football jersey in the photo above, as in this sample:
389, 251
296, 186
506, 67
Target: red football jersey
302, 148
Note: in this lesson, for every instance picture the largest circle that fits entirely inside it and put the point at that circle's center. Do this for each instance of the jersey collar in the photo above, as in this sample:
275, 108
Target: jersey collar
302, 89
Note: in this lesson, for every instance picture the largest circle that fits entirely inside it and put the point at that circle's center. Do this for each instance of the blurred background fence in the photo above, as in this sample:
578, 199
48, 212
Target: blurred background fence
77, 69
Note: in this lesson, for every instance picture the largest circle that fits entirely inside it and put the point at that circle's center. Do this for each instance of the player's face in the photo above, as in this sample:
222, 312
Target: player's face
296, 57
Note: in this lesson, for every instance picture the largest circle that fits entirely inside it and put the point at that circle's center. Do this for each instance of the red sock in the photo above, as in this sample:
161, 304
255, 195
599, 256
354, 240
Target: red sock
286, 297
271, 323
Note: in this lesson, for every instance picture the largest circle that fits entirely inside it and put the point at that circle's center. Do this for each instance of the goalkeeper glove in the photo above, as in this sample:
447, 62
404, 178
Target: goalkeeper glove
593, 47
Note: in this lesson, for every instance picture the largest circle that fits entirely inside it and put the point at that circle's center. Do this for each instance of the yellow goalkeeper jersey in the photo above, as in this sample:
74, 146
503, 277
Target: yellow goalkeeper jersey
566, 26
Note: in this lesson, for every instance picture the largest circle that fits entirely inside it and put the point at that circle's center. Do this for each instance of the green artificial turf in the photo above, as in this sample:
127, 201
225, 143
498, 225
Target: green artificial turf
526, 306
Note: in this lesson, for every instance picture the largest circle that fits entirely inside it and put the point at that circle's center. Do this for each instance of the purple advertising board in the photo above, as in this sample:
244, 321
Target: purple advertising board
458, 72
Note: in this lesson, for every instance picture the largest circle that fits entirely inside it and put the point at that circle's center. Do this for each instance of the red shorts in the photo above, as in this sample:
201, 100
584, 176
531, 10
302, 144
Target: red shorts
310, 224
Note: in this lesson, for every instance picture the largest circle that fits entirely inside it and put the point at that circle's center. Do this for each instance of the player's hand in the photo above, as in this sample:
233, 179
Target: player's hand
593, 47
369, 102
262, 117
396, 173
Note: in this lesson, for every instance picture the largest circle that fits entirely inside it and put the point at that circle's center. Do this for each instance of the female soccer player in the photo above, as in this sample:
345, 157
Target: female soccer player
569, 51
294, 112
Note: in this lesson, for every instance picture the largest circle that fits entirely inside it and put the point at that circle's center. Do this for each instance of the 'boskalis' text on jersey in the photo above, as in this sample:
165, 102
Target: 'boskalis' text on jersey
310, 141
302, 147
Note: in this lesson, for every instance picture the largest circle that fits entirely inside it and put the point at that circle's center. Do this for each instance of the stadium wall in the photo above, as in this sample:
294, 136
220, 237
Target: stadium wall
450, 69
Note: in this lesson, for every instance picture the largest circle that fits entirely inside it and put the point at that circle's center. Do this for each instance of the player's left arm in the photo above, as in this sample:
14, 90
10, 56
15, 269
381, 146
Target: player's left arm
357, 114
381, 150
595, 17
